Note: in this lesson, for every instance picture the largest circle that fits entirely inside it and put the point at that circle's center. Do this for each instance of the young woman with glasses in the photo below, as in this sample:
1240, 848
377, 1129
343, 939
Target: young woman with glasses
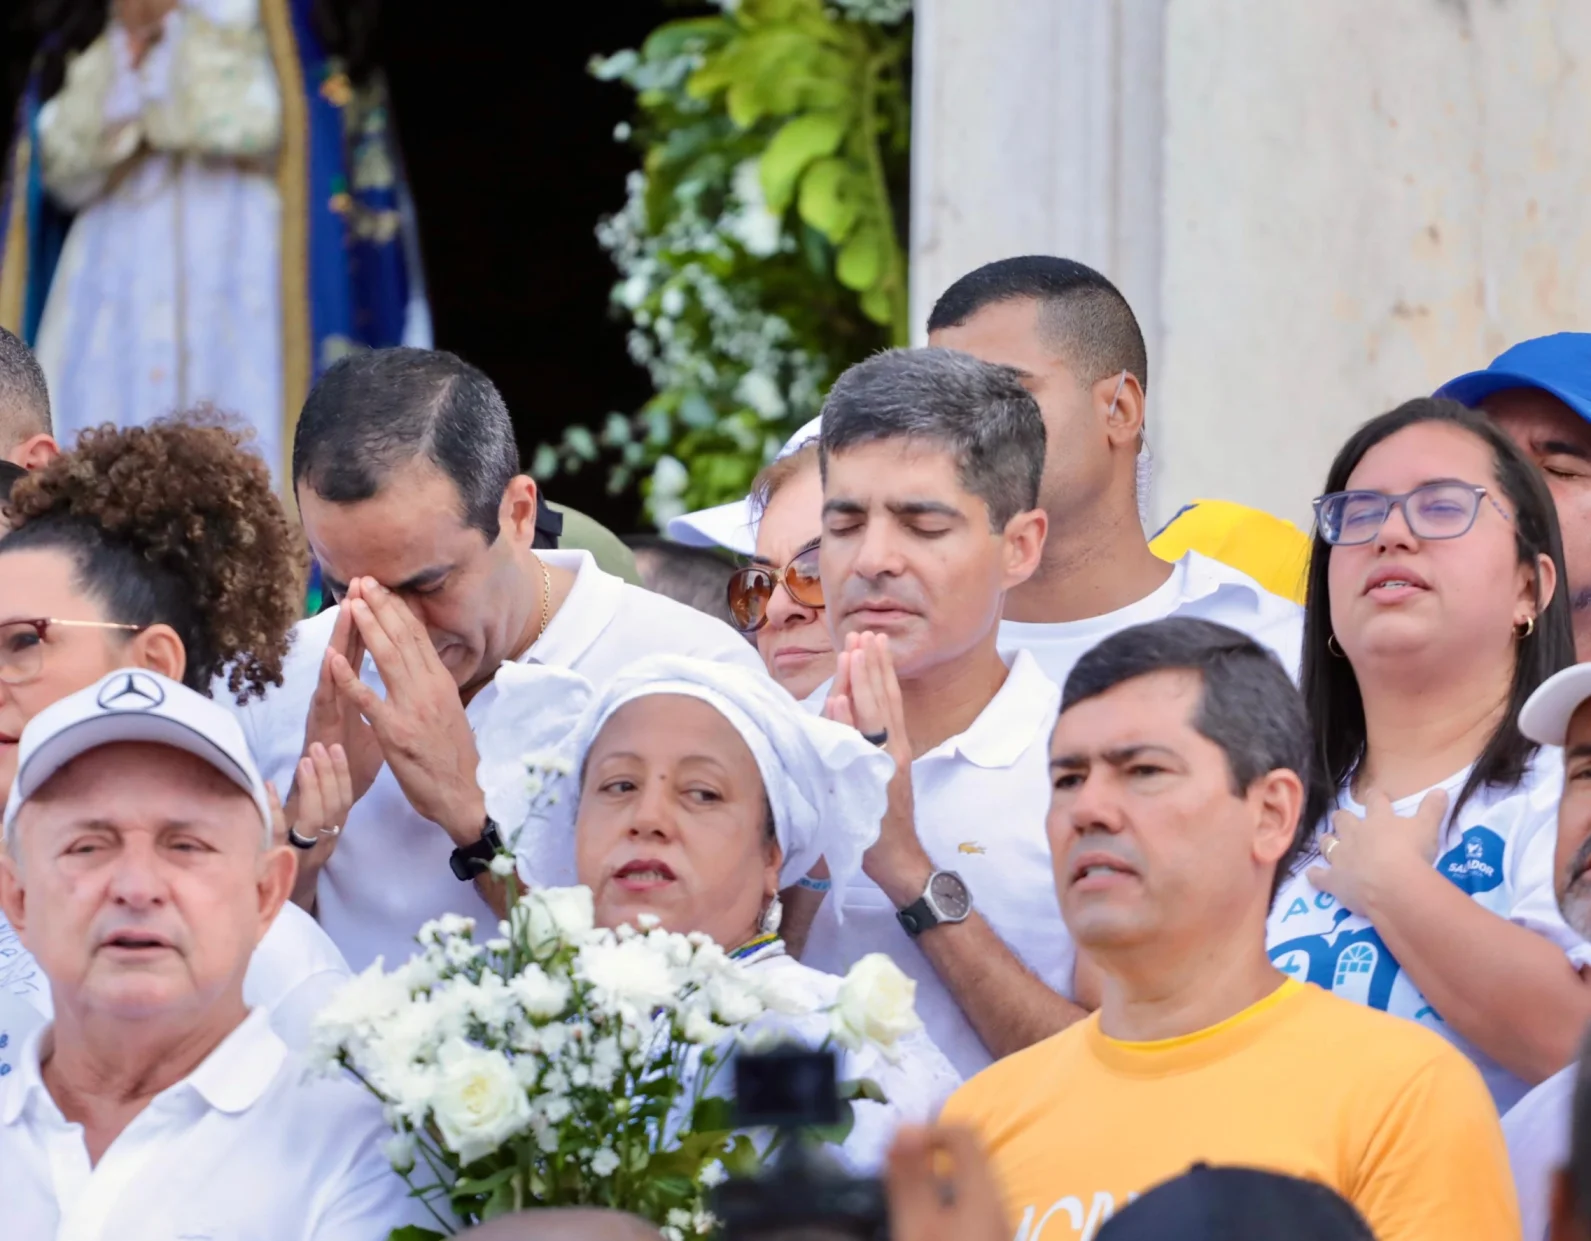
162, 547
1434, 609
778, 599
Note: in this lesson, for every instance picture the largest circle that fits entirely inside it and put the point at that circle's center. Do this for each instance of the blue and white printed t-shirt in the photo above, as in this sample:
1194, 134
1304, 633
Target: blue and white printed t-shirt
1499, 850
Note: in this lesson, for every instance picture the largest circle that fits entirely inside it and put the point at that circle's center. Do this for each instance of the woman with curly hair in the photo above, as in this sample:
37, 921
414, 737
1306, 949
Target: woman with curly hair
162, 547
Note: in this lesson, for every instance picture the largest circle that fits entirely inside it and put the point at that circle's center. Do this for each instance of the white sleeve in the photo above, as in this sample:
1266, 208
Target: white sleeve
1534, 902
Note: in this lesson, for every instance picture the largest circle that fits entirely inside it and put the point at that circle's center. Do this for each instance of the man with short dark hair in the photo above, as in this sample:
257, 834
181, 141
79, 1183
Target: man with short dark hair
1539, 394
1078, 348
25, 431
1179, 764
930, 462
407, 478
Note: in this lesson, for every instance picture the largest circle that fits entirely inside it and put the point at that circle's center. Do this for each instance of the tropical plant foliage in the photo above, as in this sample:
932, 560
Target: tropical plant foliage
759, 248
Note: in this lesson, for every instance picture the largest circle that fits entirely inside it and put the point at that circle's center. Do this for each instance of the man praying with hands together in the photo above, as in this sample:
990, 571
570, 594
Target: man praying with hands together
931, 463
407, 478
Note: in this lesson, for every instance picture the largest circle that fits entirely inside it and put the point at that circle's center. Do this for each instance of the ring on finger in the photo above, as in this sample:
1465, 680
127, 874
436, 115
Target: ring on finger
880, 738
334, 830
1330, 847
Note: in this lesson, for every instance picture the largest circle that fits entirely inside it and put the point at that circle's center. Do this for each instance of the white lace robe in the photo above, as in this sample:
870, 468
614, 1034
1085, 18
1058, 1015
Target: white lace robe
168, 291
916, 1086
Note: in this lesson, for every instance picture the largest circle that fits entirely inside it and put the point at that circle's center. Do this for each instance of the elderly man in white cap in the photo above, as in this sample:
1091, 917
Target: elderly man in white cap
1537, 1127
141, 872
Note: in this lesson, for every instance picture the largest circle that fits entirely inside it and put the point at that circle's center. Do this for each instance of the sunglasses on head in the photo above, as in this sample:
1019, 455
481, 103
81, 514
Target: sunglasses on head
751, 588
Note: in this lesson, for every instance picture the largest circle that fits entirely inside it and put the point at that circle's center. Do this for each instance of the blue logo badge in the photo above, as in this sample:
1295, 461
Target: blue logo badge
1475, 864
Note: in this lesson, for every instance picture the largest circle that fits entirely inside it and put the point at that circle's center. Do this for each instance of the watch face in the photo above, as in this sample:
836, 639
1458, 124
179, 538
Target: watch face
950, 895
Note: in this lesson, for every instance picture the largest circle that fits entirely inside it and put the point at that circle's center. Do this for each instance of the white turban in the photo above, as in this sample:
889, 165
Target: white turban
827, 787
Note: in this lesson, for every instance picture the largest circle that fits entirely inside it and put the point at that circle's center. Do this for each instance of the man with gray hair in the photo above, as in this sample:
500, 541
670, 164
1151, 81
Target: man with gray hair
930, 463
25, 430
140, 870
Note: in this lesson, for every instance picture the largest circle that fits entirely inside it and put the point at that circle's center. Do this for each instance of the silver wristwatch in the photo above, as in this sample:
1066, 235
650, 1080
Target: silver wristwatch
945, 899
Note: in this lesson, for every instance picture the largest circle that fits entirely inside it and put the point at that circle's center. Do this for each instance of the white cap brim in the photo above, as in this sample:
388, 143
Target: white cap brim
1546, 715
73, 726
732, 525
724, 525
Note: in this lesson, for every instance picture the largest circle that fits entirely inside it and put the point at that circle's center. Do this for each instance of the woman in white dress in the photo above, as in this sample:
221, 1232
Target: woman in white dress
159, 547
698, 792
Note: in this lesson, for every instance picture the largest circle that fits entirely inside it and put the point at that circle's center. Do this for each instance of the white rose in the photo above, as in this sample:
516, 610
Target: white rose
700, 1029
399, 1150
478, 1102
733, 1002
875, 1005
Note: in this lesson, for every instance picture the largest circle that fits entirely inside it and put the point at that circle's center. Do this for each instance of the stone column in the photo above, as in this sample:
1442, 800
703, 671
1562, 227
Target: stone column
1317, 210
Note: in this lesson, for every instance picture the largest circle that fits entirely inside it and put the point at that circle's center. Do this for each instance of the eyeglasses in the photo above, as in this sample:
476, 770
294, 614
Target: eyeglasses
751, 588
1434, 511
22, 645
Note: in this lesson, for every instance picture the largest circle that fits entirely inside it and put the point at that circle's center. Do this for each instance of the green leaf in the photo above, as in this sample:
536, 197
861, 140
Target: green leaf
797, 144
484, 1184
501, 1202
825, 201
861, 260
413, 1232
713, 1113
836, 1134
862, 1088
877, 305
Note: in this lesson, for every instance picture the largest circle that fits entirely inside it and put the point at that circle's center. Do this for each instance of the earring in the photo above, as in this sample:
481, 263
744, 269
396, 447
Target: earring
772, 916
1334, 646
1521, 632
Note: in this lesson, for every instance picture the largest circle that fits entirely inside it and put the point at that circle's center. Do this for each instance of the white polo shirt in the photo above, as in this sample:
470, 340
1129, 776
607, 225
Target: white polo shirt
245, 1148
291, 975
390, 872
981, 800
1198, 587
1537, 1132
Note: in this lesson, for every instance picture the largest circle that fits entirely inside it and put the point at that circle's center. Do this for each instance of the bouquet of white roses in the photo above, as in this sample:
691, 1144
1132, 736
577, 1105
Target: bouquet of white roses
562, 1064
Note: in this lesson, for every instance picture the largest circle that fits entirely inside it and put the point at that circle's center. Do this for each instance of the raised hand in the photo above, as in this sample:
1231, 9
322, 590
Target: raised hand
1365, 858
420, 726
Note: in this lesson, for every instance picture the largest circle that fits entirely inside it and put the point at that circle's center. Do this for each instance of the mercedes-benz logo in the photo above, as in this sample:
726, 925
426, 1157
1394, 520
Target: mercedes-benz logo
131, 691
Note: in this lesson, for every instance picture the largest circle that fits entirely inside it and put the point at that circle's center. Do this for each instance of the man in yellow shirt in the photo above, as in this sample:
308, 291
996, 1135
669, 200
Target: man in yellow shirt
1177, 802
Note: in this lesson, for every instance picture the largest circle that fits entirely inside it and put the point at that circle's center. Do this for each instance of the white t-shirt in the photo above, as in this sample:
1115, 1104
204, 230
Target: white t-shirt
291, 975
981, 800
1499, 851
248, 1147
390, 872
1198, 587
1537, 1131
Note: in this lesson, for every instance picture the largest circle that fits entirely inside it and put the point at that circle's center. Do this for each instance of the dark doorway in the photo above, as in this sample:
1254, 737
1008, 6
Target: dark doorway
510, 152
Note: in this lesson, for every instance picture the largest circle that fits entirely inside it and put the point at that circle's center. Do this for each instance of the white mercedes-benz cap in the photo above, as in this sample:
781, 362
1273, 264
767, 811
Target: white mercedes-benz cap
133, 705
1546, 714
732, 525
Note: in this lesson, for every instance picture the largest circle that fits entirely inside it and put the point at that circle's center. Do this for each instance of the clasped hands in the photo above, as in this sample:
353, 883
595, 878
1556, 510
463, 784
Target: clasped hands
419, 729
1366, 859
865, 694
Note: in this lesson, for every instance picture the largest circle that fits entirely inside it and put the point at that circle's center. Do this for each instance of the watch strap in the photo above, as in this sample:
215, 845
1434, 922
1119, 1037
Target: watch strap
917, 917
470, 861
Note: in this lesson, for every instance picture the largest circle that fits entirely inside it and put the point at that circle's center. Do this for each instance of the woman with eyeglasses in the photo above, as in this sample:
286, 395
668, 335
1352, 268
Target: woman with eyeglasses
778, 599
162, 547
1434, 609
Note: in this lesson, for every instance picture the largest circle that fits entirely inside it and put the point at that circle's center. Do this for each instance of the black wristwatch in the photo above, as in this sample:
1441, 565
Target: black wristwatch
945, 899
468, 861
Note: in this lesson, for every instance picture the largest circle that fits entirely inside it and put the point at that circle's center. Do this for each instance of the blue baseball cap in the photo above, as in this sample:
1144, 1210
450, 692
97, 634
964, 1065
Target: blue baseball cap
1558, 364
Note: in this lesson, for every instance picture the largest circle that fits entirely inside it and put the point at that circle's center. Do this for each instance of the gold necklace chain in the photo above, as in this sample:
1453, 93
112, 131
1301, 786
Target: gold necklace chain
546, 598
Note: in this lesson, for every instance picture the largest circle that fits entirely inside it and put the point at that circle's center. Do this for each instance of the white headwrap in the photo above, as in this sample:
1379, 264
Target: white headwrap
828, 787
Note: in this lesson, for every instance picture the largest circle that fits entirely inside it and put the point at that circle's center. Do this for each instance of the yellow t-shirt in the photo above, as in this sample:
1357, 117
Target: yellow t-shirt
1275, 553
1383, 1111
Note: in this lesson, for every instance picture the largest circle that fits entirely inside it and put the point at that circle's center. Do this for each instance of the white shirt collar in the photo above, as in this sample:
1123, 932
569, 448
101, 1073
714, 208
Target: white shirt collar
1203, 577
1004, 729
589, 608
232, 1078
